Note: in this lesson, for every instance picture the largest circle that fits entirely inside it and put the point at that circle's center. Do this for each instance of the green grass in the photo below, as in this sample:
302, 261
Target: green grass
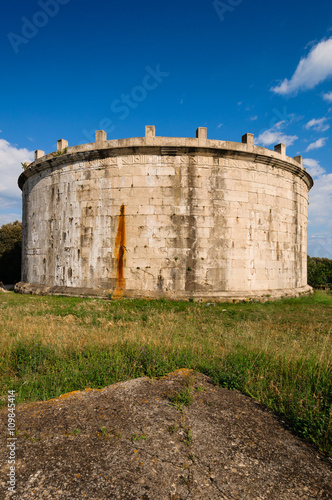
279, 353
182, 398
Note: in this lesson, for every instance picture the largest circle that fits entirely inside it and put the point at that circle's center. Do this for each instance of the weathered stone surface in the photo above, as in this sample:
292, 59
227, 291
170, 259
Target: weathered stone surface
197, 218
127, 442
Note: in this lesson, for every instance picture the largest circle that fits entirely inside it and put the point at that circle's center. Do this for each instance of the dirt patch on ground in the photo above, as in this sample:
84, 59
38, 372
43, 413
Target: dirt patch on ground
128, 441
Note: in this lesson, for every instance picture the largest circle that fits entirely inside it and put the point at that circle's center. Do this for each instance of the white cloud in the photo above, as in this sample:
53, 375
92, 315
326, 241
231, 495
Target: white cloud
320, 245
313, 167
6, 218
317, 144
320, 198
328, 96
274, 135
310, 44
10, 168
7, 202
320, 209
253, 118
311, 70
279, 124
220, 125
318, 124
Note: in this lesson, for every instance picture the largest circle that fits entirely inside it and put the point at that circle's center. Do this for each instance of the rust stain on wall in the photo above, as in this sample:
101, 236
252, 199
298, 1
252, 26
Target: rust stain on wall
120, 249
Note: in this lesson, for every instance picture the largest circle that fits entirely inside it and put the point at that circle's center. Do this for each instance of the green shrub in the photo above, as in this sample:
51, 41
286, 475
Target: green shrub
10, 252
319, 272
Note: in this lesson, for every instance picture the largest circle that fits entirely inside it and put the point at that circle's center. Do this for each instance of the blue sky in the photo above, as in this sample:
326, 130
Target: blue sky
70, 67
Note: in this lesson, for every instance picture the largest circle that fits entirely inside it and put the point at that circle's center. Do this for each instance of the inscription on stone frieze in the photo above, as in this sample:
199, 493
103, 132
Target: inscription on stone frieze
139, 159
113, 160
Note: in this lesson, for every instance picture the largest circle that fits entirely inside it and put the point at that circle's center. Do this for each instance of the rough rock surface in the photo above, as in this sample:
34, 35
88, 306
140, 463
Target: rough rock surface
127, 442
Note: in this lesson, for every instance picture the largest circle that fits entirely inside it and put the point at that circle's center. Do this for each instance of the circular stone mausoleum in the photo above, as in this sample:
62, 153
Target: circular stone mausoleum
165, 217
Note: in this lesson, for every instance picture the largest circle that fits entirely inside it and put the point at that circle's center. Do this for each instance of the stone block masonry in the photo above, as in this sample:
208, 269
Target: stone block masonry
180, 218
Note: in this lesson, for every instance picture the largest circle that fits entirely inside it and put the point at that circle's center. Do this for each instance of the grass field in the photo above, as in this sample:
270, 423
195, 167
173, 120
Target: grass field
279, 353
